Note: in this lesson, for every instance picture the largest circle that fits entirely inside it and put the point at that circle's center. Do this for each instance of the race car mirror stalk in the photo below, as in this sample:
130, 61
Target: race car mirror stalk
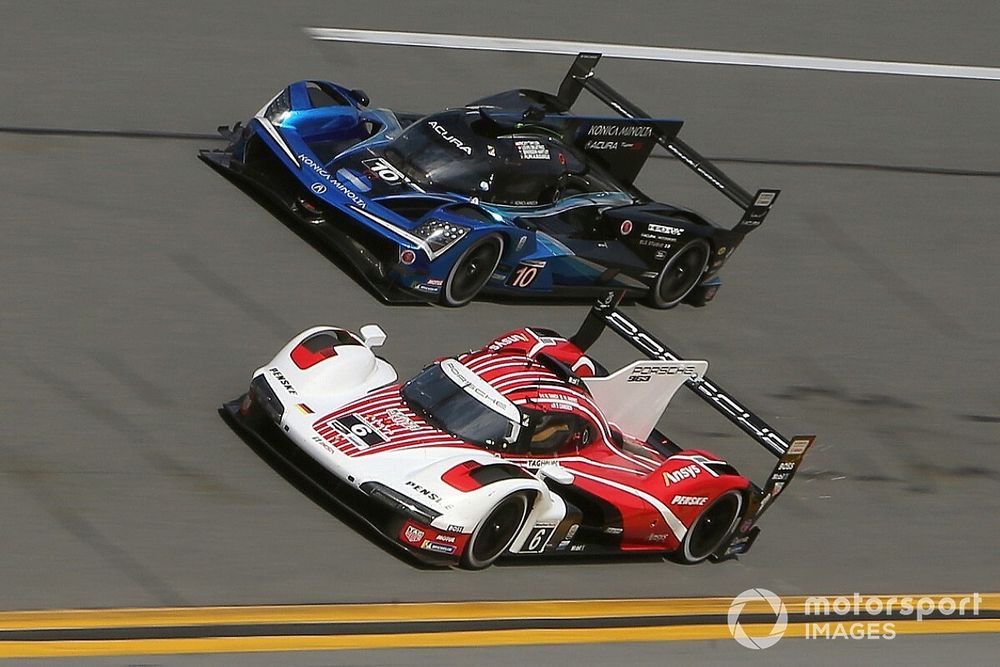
372, 335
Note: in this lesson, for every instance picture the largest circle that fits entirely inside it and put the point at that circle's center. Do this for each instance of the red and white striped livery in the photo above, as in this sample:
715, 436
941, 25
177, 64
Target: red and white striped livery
525, 446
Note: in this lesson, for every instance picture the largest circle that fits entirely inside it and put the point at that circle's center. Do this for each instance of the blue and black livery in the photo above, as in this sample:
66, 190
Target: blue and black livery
510, 195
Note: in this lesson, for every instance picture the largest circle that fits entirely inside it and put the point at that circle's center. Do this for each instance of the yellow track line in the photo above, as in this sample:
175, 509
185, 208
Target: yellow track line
413, 611
40, 649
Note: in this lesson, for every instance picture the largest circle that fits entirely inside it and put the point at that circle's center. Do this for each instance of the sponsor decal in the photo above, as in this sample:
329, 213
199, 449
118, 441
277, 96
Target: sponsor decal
455, 528
359, 431
282, 380
383, 170
765, 199
426, 493
401, 419
577, 547
665, 229
643, 373
340, 187
413, 534
441, 548
531, 149
657, 537
687, 472
601, 130
318, 188
689, 500
430, 289
799, 446
449, 137
626, 227
696, 166
507, 340
721, 250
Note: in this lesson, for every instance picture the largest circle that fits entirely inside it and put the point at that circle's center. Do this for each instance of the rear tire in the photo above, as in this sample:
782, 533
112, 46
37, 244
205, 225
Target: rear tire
496, 532
711, 527
472, 271
680, 274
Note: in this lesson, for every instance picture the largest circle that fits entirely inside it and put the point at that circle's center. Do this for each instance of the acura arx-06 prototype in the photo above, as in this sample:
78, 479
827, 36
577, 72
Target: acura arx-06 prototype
527, 446
513, 194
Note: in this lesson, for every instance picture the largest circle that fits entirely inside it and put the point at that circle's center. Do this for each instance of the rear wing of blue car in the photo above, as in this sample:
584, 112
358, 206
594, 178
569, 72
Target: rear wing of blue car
789, 452
581, 77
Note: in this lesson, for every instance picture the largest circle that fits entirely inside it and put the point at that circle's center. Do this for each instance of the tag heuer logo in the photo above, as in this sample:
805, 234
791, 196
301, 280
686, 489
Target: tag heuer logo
414, 535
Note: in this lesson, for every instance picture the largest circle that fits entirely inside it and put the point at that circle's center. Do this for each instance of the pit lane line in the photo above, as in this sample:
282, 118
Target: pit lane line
634, 52
181, 630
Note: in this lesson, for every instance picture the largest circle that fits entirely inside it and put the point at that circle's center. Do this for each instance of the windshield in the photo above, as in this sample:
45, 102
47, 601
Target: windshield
449, 406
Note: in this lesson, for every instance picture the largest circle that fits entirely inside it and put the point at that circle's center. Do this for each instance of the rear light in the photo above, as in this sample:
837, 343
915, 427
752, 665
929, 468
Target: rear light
247, 404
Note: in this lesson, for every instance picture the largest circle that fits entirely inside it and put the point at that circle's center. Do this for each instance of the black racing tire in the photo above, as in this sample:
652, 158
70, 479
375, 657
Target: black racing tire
472, 271
680, 274
711, 528
494, 534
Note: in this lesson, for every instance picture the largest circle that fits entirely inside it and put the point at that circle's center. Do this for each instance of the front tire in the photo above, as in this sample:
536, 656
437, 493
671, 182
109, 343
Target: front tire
496, 532
680, 274
711, 527
472, 271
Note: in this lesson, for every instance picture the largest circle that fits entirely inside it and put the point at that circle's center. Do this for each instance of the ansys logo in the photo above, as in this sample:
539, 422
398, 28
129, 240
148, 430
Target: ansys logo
757, 634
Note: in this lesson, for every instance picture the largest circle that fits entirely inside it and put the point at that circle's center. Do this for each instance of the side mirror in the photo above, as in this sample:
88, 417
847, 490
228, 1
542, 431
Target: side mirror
372, 336
557, 474
361, 96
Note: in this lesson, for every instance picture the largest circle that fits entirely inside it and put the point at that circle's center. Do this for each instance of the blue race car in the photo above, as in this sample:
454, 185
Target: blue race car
511, 195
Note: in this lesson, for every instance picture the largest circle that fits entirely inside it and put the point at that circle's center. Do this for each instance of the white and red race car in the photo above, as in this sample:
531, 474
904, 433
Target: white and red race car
525, 447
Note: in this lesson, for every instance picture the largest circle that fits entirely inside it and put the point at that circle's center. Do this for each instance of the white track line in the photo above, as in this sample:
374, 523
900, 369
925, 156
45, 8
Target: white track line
516, 44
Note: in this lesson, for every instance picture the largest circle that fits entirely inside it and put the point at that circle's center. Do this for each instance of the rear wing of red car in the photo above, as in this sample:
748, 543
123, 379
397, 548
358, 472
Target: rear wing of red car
789, 452
581, 77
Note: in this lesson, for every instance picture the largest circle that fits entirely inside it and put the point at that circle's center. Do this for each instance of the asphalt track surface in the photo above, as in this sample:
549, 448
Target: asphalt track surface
139, 289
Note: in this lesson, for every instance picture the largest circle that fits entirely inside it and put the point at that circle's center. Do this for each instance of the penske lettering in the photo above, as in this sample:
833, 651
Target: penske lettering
340, 187
689, 500
426, 493
282, 380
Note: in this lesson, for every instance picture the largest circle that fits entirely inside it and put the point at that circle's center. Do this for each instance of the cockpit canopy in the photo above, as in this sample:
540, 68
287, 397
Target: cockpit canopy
460, 151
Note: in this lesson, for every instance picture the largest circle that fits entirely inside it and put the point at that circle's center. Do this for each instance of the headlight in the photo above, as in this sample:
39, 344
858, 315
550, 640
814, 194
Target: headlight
440, 235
